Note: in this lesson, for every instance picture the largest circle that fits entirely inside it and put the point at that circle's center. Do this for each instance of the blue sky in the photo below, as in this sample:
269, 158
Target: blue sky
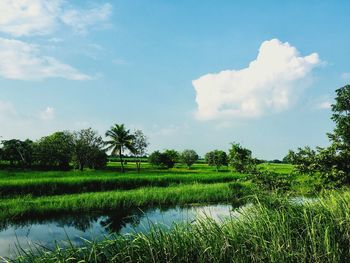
190, 74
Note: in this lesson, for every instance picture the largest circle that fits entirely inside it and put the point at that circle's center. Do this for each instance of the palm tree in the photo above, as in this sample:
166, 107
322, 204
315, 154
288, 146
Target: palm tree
119, 140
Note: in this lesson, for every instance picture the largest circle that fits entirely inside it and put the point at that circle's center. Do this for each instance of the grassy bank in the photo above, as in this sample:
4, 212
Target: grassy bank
70, 184
274, 230
113, 200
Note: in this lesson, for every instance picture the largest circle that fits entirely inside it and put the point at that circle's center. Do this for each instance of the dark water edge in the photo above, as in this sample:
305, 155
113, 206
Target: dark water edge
50, 230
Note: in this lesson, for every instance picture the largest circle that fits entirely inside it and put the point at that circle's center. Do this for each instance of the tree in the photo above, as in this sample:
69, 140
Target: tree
55, 150
189, 157
216, 158
333, 161
17, 151
162, 160
305, 160
241, 158
140, 144
120, 139
173, 155
88, 149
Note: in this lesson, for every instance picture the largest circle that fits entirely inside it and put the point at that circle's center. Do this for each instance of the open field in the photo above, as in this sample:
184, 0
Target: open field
28, 193
46, 194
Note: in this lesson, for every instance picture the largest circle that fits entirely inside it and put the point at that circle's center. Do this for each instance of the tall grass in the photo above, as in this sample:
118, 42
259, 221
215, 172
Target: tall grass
273, 230
106, 201
95, 183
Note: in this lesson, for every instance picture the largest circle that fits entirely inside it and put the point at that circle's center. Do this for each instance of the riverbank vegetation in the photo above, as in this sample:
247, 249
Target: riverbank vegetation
274, 229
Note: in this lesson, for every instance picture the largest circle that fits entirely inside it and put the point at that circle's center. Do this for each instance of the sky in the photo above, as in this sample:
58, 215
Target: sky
190, 74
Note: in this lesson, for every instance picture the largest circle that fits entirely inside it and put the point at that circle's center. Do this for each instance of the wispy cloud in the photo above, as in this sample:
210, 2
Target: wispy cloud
345, 75
82, 20
42, 17
324, 105
29, 17
47, 114
268, 84
22, 61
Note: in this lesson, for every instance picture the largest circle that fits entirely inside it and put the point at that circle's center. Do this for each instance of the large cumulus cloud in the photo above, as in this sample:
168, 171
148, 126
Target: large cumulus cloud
268, 84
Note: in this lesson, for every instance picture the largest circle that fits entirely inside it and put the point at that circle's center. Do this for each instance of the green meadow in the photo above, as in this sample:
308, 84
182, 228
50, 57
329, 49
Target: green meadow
28, 194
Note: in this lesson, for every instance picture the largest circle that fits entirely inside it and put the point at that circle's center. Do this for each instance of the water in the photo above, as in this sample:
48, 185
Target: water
47, 231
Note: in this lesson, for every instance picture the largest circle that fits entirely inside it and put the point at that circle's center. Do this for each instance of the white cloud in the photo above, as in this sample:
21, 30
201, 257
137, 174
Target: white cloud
41, 17
268, 84
345, 75
23, 61
82, 20
47, 114
324, 105
26, 17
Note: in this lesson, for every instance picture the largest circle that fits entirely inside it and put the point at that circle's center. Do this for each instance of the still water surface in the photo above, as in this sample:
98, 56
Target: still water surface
48, 231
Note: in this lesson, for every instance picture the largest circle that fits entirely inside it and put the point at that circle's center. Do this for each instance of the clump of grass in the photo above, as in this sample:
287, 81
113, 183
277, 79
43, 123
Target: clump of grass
59, 183
282, 232
106, 201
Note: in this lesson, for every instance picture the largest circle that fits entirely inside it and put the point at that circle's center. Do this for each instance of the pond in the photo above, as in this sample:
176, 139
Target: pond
47, 231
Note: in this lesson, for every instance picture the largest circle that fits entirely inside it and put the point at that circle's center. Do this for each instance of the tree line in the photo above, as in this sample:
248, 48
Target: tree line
82, 149
332, 162
87, 149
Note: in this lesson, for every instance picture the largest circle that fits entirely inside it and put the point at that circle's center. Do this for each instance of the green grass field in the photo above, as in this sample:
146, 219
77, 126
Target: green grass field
35, 194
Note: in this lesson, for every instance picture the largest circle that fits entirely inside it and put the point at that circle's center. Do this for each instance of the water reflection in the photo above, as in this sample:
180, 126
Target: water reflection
47, 231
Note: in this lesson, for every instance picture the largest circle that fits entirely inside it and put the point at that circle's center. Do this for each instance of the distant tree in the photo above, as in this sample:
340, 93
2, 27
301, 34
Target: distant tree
189, 157
88, 149
241, 158
305, 160
119, 139
17, 151
289, 158
55, 150
140, 144
173, 155
216, 158
162, 160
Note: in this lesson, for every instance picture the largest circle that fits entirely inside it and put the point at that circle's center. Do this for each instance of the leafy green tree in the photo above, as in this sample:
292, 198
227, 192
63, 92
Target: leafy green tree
119, 139
55, 150
216, 158
333, 161
241, 159
173, 155
140, 144
17, 151
305, 160
189, 157
88, 149
161, 160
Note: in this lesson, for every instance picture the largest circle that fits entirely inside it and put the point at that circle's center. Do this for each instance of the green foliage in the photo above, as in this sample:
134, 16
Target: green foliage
119, 139
88, 150
189, 157
332, 162
305, 160
271, 181
274, 231
163, 160
173, 155
55, 150
241, 159
140, 144
216, 158
17, 152
110, 201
